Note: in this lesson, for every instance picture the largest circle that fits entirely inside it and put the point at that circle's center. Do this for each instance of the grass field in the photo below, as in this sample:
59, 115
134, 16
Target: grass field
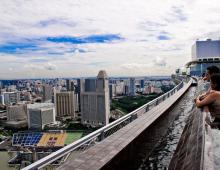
73, 136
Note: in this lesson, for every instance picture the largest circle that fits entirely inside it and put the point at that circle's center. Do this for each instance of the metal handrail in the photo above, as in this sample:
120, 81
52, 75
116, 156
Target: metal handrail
94, 135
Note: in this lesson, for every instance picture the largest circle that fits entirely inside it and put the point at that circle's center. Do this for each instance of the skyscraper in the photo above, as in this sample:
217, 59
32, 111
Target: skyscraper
95, 102
65, 104
132, 86
47, 92
78, 93
69, 85
72, 86
204, 54
142, 83
1, 99
40, 114
110, 92
206, 49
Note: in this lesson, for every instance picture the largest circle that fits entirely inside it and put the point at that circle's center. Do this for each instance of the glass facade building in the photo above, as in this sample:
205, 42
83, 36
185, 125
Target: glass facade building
204, 54
198, 68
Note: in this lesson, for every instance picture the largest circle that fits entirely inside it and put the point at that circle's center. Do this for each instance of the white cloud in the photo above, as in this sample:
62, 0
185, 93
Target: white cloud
32, 67
160, 61
50, 66
140, 22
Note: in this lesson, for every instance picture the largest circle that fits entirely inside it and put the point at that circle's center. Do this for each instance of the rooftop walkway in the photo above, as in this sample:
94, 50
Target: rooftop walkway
117, 148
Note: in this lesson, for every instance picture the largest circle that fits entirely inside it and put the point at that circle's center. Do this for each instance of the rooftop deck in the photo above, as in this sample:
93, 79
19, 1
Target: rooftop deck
105, 155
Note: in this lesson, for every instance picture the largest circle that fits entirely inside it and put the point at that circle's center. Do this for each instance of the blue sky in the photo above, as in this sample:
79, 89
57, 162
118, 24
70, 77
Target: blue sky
34, 45
78, 38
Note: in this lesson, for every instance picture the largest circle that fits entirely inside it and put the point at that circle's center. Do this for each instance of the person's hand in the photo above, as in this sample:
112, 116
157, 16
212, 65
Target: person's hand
204, 78
196, 98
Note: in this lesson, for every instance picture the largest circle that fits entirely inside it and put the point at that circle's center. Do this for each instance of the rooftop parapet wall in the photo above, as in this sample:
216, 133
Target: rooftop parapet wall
194, 150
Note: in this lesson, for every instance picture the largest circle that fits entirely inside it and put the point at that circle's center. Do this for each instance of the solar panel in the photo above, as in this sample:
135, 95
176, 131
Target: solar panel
26, 139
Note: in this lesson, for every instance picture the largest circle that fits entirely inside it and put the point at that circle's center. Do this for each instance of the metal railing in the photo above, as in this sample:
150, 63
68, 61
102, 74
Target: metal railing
102, 133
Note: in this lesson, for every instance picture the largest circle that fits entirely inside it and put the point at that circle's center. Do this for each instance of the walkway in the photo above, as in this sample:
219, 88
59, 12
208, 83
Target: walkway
102, 155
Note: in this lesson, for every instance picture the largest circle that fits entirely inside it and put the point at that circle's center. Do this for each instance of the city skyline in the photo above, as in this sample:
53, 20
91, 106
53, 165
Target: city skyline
78, 38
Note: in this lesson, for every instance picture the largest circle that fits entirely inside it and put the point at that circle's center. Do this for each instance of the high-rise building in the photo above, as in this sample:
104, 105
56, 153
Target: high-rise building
206, 49
1, 85
72, 86
132, 86
78, 92
204, 54
126, 87
69, 85
142, 83
1, 99
47, 92
17, 112
110, 92
40, 114
95, 104
65, 104
11, 98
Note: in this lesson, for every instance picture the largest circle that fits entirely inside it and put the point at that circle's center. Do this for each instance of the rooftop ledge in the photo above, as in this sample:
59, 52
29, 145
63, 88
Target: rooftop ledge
103, 154
194, 150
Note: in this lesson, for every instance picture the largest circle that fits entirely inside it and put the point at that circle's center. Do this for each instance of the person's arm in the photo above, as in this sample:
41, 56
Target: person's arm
210, 98
202, 96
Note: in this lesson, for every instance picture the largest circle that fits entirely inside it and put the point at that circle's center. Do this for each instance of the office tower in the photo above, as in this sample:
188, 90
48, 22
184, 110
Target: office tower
119, 88
206, 49
204, 54
78, 92
47, 93
76, 103
40, 114
11, 97
1, 99
17, 112
65, 102
126, 89
132, 86
68, 84
95, 103
142, 83
72, 86
110, 92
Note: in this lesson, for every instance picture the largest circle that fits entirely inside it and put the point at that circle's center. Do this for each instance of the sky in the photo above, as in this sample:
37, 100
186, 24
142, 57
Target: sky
74, 38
